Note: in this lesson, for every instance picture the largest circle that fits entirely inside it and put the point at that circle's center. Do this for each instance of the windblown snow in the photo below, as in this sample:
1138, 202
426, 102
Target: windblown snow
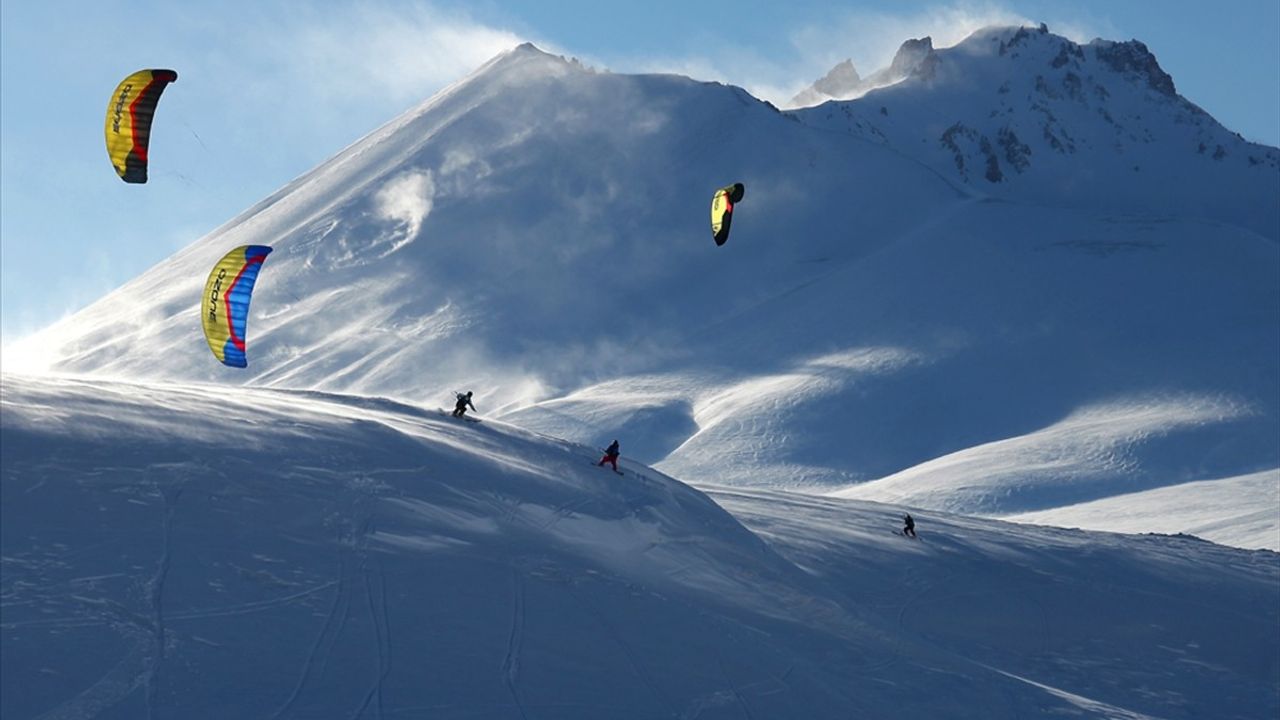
1016, 283
304, 554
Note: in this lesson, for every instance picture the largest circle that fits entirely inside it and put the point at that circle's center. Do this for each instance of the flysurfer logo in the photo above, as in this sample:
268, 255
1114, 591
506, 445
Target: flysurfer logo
214, 295
124, 97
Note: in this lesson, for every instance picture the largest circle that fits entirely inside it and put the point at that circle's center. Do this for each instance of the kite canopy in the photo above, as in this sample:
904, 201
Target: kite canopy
722, 210
129, 116
225, 309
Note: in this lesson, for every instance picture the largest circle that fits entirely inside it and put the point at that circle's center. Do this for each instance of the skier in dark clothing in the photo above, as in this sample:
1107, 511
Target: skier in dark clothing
909, 526
610, 456
464, 401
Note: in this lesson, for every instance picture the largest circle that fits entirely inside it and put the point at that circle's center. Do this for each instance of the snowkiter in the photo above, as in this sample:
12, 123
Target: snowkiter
464, 401
610, 456
909, 526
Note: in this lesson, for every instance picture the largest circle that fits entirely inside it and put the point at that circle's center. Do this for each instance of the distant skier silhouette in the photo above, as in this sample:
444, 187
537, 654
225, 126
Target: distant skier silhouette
464, 401
909, 526
610, 456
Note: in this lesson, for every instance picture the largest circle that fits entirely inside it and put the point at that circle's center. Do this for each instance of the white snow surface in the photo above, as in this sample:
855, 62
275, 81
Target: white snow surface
205, 551
1239, 511
885, 320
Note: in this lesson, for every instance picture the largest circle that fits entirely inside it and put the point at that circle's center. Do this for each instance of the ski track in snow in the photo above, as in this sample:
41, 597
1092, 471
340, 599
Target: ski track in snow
563, 511
636, 667
515, 640
137, 620
382, 637
732, 689
121, 681
252, 607
141, 666
354, 538
159, 639
327, 635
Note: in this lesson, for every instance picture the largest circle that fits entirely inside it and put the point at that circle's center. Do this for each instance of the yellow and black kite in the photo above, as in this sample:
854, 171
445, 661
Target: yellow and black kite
722, 210
129, 121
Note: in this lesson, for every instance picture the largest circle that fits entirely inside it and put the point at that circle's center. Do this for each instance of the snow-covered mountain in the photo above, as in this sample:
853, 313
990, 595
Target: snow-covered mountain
1031, 116
207, 551
538, 233
1074, 342
843, 82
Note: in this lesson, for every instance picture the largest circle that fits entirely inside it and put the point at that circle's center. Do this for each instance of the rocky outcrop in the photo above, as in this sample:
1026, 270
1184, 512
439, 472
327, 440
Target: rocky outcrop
1134, 58
915, 58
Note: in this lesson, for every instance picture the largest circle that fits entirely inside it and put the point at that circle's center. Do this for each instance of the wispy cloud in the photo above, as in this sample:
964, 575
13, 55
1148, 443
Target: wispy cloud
399, 52
870, 38
314, 77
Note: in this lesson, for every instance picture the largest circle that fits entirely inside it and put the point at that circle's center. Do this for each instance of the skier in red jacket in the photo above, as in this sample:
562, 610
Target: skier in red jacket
610, 456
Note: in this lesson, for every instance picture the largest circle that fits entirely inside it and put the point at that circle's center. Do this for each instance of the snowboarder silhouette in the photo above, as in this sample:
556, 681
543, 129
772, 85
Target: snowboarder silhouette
909, 526
610, 456
464, 400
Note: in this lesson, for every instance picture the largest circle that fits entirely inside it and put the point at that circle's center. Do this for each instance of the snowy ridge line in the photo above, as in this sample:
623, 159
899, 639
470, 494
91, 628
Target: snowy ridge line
651, 597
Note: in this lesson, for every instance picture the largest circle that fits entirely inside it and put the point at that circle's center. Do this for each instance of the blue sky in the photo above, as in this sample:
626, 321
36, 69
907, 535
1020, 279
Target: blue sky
268, 89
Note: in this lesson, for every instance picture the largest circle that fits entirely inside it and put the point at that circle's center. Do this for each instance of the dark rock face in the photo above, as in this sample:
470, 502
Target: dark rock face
1134, 57
1069, 52
1016, 152
961, 140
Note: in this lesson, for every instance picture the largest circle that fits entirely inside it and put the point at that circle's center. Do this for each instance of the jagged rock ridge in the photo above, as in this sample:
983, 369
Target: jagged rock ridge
1026, 114
844, 83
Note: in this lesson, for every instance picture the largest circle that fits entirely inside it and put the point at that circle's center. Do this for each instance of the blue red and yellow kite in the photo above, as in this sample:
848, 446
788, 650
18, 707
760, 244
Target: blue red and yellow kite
225, 309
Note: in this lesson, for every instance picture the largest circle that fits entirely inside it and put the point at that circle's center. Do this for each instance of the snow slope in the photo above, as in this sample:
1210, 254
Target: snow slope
538, 233
1236, 511
203, 551
1116, 626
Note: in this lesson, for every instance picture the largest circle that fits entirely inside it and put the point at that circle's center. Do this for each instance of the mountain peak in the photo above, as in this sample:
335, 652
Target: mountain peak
1007, 108
527, 56
528, 49
913, 56
841, 78
1133, 57
842, 82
